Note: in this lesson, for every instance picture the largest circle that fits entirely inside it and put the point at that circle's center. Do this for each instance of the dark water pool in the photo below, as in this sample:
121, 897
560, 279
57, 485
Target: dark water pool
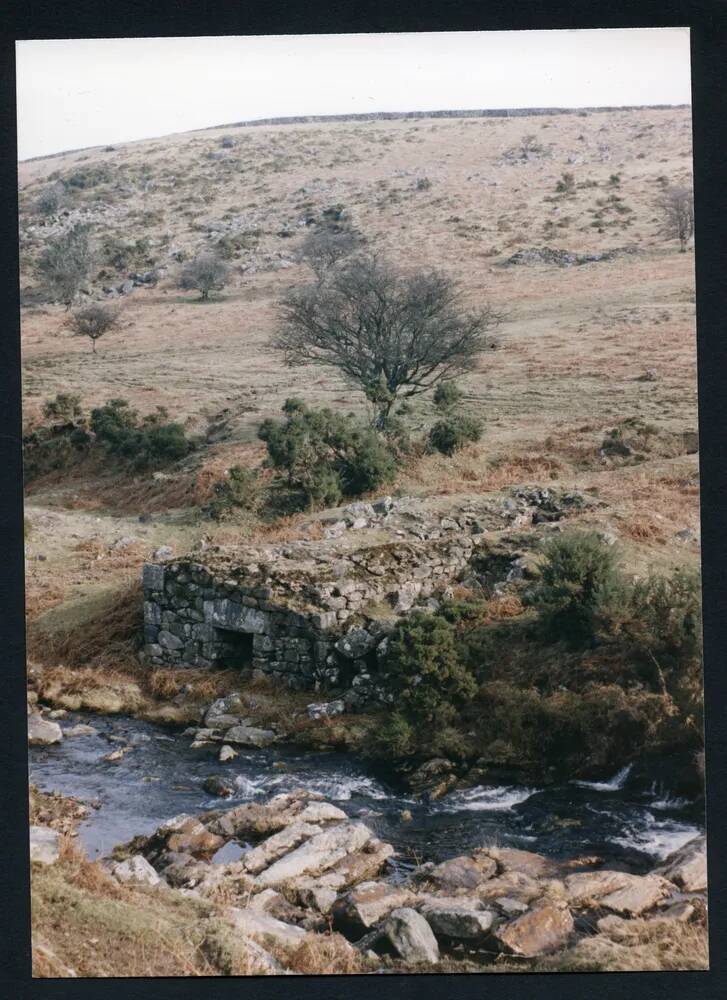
634, 816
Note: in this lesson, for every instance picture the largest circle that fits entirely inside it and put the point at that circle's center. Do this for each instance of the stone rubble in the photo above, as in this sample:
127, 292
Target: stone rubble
307, 868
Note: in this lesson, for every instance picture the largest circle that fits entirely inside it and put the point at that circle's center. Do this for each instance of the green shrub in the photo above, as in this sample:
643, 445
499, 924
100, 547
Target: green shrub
665, 615
424, 667
325, 455
151, 441
579, 586
88, 177
601, 726
241, 489
453, 433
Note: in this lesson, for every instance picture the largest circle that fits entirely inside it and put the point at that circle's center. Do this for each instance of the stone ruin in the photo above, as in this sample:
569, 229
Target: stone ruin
315, 613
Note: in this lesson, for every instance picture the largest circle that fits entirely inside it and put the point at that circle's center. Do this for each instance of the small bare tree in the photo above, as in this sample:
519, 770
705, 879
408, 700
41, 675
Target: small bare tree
390, 334
323, 249
93, 321
207, 273
677, 207
65, 263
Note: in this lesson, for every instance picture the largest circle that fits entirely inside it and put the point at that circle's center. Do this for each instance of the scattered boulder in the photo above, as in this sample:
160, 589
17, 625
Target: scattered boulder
411, 937
227, 753
45, 845
80, 730
586, 888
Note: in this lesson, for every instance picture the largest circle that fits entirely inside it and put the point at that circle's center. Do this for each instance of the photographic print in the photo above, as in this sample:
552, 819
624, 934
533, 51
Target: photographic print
361, 526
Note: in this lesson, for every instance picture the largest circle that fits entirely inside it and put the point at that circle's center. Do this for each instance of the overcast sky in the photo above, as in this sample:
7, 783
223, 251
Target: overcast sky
74, 93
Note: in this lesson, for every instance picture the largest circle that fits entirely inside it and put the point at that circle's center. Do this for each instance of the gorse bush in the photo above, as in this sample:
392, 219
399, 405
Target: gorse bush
146, 442
453, 433
580, 584
325, 455
241, 489
425, 668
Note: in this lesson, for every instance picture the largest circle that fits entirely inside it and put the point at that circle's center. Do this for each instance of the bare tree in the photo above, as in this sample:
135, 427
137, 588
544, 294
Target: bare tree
323, 249
93, 321
65, 262
207, 273
392, 335
677, 207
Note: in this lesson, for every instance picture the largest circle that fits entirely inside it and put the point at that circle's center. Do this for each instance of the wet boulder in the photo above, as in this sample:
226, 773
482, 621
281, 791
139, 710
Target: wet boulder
218, 786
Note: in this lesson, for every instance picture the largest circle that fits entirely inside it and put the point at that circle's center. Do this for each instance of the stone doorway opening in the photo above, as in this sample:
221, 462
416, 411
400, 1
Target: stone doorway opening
234, 650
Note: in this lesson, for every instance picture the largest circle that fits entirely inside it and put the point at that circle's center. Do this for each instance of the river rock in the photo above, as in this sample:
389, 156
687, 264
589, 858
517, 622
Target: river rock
411, 936
195, 839
45, 845
80, 730
322, 851
434, 778
640, 893
266, 930
452, 920
250, 736
320, 891
258, 858
516, 885
586, 888
687, 867
42, 732
363, 907
135, 869
458, 873
544, 928
221, 787
227, 753
511, 859
258, 819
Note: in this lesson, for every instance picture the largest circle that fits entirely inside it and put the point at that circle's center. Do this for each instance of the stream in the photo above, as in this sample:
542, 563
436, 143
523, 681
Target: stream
633, 819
